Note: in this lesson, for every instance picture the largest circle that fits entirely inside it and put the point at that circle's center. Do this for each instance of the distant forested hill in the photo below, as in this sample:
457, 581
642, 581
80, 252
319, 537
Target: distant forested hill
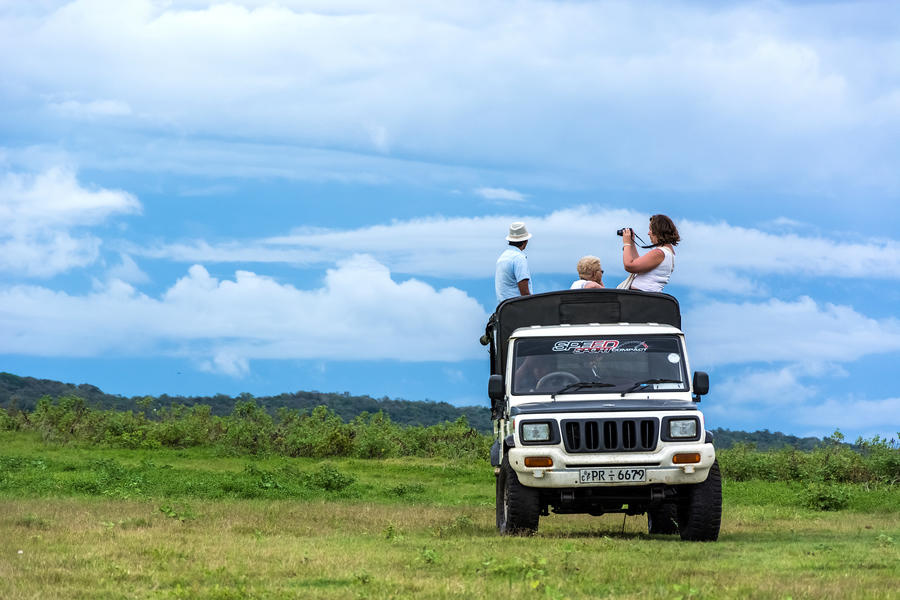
763, 440
23, 393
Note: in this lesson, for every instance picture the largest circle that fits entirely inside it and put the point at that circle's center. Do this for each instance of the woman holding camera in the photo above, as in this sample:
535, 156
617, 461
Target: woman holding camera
651, 271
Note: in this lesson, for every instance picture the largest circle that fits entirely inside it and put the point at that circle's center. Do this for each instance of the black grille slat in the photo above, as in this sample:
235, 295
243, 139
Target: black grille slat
628, 437
591, 435
646, 432
573, 433
610, 435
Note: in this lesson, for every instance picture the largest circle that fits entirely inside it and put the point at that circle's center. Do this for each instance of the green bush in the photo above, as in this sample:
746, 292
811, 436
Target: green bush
835, 462
446, 440
328, 478
7, 422
742, 462
788, 465
64, 419
249, 429
882, 457
187, 426
318, 435
375, 436
876, 460
128, 430
825, 496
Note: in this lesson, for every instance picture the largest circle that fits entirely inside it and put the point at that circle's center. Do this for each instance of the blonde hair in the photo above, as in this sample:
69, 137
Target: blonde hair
588, 267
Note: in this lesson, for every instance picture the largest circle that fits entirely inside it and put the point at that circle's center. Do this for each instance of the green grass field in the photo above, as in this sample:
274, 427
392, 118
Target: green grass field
83, 522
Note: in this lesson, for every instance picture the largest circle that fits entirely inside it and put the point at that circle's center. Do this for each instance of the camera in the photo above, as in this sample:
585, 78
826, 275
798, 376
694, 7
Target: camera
620, 232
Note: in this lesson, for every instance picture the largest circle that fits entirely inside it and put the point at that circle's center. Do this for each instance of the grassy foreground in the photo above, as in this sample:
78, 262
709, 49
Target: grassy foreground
102, 523
82, 548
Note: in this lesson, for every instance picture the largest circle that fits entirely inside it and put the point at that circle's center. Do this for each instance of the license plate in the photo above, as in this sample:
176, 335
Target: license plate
613, 475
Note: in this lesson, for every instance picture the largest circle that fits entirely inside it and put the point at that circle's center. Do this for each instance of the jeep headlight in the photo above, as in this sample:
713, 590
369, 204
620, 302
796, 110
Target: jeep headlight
683, 428
536, 432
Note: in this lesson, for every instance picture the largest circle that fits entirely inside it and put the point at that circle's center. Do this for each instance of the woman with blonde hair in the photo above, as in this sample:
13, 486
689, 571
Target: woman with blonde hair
651, 271
590, 274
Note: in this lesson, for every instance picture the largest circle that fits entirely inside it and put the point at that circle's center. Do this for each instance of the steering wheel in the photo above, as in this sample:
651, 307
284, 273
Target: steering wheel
555, 381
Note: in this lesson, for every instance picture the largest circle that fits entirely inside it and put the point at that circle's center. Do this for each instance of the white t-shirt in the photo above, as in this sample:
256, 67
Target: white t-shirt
656, 279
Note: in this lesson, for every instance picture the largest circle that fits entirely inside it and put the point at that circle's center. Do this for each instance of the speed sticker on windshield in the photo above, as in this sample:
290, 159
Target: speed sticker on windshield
600, 346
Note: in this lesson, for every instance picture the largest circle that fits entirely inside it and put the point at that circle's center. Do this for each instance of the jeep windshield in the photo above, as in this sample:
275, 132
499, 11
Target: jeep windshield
585, 365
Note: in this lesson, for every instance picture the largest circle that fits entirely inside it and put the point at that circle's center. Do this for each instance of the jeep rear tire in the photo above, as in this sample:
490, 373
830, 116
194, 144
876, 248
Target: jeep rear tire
663, 519
700, 508
518, 506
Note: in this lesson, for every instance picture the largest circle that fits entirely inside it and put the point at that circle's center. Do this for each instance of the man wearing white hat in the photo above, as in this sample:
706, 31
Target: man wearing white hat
513, 278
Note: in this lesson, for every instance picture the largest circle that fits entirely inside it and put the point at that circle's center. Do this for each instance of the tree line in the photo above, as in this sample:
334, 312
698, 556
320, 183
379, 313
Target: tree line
23, 393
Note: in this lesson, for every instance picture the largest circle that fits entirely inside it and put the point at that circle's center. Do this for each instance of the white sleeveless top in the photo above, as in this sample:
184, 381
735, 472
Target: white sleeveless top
579, 285
656, 279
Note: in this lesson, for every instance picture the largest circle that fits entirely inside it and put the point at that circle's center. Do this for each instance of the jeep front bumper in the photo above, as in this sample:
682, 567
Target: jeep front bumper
566, 469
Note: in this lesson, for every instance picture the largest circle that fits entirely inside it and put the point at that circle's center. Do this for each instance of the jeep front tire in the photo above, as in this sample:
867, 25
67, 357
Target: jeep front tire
518, 506
700, 508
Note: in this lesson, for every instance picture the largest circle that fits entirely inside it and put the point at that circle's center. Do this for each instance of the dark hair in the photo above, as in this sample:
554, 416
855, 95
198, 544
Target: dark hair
664, 230
518, 245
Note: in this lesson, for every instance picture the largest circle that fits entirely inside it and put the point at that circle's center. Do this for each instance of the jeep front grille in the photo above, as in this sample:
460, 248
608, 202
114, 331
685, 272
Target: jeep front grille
610, 435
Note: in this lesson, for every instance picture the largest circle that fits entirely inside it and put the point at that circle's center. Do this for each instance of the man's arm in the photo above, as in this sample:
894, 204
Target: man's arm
523, 287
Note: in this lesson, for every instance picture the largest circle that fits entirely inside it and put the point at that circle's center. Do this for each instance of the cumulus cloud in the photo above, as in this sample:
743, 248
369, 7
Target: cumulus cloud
800, 331
501, 194
794, 87
800, 400
39, 215
782, 362
359, 313
421, 247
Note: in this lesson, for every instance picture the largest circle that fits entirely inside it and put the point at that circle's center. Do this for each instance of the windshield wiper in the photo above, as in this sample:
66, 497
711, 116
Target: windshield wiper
578, 385
640, 384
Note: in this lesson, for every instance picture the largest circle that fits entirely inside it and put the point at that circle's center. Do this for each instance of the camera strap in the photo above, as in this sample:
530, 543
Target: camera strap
637, 237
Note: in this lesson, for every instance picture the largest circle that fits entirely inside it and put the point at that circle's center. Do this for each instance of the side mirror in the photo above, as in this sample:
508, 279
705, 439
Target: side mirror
496, 393
700, 384
495, 388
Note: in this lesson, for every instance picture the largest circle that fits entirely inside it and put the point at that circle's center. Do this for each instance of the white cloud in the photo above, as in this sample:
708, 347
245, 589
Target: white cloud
801, 331
853, 416
360, 313
421, 246
38, 214
798, 399
47, 254
128, 271
492, 193
723, 256
712, 256
93, 109
675, 94
54, 198
227, 362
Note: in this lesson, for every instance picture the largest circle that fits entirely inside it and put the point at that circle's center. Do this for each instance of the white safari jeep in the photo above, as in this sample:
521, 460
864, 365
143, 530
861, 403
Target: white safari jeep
594, 412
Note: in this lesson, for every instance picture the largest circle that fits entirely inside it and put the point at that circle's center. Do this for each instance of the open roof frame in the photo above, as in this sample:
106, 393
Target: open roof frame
576, 307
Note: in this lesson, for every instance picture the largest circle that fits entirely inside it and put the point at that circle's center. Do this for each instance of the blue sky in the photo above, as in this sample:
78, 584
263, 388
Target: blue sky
208, 197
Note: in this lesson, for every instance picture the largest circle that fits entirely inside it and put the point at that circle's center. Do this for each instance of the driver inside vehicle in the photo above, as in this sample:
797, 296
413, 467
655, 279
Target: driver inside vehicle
534, 373
542, 373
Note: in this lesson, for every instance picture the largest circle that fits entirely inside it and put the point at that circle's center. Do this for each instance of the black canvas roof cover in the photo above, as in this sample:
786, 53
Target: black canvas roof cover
577, 307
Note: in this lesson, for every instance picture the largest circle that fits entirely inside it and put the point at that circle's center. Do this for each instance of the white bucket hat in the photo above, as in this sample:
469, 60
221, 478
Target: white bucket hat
517, 232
